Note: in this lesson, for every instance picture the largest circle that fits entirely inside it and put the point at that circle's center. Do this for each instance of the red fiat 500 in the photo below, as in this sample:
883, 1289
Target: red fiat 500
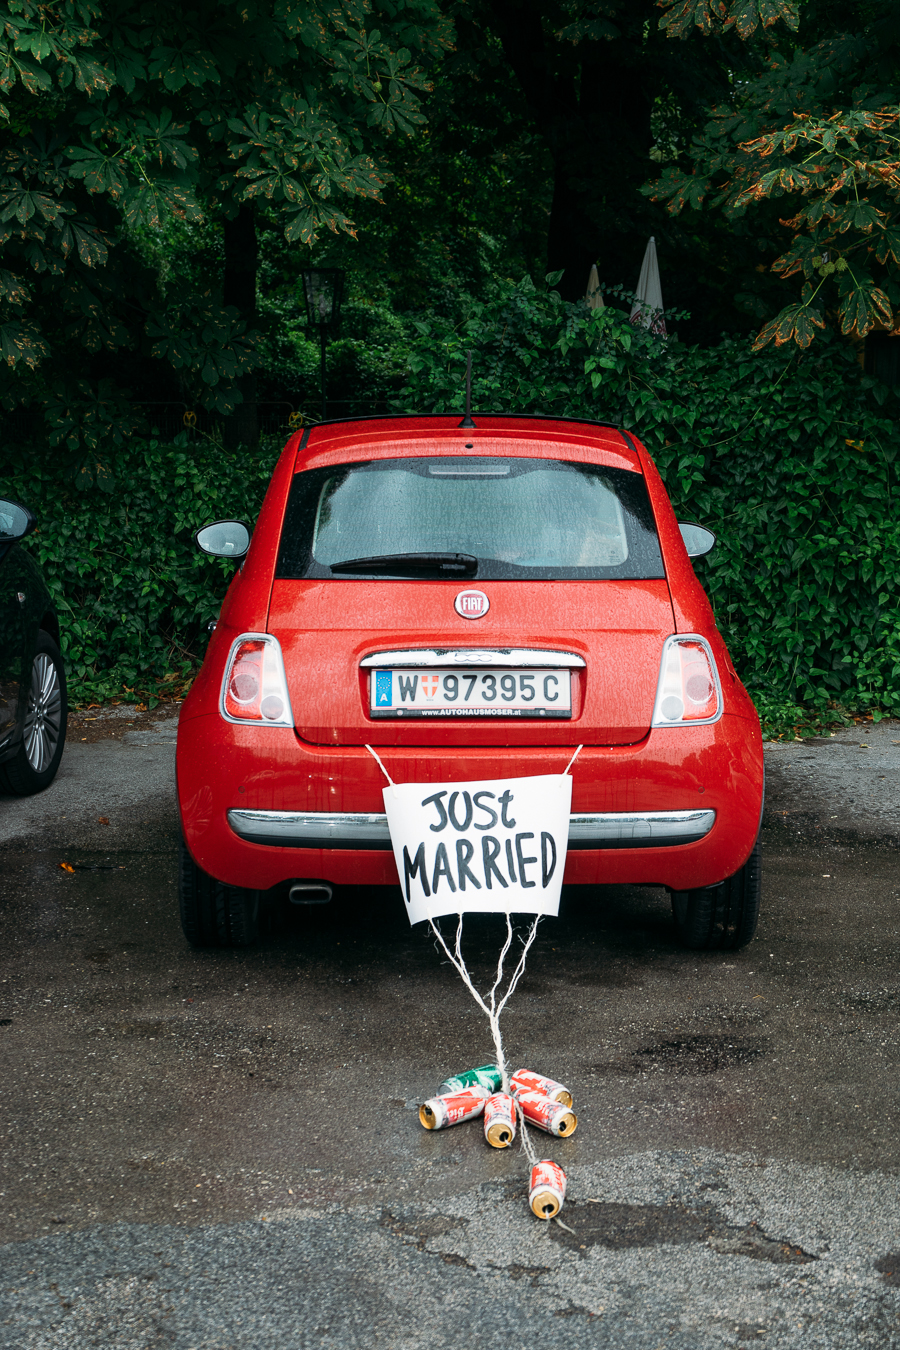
473, 602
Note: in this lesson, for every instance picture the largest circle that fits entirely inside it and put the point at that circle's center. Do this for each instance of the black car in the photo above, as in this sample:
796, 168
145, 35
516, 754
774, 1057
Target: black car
33, 704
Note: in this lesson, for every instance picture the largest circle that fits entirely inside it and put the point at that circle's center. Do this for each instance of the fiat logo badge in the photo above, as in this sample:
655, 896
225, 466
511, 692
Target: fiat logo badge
471, 604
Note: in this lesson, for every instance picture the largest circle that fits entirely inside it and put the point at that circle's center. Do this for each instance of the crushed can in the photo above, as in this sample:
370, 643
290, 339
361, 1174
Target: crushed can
487, 1076
525, 1080
547, 1190
500, 1120
439, 1112
547, 1114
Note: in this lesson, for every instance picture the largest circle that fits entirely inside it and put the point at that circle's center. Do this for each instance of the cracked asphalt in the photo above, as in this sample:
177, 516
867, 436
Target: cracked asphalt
221, 1150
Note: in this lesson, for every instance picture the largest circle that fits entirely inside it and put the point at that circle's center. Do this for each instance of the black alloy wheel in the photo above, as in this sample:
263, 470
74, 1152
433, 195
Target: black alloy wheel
46, 713
213, 914
723, 917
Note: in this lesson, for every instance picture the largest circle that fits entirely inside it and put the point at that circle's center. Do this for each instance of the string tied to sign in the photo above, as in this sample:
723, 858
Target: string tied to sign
377, 760
495, 1001
491, 1007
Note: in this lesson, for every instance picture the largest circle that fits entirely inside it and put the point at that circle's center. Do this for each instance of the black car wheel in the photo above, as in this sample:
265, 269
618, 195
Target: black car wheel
238, 915
723, 917
34, 766
196, 902
213, 914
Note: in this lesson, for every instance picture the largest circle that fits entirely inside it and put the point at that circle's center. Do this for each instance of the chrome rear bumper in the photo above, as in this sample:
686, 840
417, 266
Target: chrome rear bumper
639, 829
356, 830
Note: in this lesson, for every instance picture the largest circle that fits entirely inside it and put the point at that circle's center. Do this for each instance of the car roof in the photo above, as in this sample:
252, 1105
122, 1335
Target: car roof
391, 437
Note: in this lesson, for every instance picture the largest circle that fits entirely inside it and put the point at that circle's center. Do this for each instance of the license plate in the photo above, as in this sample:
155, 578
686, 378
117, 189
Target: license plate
468, 693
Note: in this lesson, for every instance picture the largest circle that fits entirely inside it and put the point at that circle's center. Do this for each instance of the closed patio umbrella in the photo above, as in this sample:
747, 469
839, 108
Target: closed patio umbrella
593, 295
647, 309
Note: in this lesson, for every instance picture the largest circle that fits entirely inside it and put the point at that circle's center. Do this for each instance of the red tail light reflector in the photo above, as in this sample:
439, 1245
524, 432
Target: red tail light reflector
688, 691
243, 690
254, 688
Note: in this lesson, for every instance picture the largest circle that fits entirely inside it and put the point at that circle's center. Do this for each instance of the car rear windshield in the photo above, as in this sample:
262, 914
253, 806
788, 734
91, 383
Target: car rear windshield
512, 518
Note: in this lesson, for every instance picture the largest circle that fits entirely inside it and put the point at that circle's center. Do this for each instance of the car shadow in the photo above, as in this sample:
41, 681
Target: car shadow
601, 932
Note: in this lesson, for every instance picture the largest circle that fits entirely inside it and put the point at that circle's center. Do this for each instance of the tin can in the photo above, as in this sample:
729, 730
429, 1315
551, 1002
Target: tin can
488, 1077
500, 1120
546, 1114
439, 1112
547, 1190
525, 1080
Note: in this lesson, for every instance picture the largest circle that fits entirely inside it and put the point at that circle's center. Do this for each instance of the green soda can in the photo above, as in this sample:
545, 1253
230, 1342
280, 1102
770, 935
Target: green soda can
487, 1076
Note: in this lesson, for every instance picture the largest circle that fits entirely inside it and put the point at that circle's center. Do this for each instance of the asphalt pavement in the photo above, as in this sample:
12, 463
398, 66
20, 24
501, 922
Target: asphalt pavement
221, 1149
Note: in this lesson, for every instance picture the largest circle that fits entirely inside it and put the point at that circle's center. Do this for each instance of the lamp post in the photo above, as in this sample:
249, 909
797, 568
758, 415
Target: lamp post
323, 291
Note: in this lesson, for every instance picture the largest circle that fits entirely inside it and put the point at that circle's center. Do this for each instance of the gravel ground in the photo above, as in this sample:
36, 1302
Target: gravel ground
851, 780
671, 1249
115, 789
220, 1151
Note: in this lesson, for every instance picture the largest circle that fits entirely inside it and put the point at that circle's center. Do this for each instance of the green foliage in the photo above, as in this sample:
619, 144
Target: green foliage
281, 96
791, 459
466, 198
607, 93
208, 344
818, 132
114, 124
710, 16
133, 592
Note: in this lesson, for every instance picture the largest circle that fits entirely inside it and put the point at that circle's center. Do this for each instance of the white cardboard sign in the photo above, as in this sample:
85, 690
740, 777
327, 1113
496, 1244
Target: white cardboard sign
498, 845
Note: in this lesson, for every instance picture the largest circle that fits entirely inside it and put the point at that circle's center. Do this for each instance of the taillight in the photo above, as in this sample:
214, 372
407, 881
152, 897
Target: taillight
254, 688
688, 689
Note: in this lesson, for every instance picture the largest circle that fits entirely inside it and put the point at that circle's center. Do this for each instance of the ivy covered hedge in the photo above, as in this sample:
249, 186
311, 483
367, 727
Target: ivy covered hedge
791, 458
133, 592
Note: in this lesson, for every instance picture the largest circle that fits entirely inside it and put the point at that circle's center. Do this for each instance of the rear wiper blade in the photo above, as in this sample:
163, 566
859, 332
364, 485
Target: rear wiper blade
393, 564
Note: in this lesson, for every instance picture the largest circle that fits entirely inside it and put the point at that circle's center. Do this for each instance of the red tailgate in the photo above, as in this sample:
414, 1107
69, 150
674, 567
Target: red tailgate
327, 627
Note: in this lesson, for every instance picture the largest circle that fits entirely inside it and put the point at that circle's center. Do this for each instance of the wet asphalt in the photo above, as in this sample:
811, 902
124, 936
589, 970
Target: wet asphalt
221, 1149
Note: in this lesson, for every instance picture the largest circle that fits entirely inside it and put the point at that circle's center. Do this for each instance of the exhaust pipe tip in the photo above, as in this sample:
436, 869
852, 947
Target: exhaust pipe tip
310, 893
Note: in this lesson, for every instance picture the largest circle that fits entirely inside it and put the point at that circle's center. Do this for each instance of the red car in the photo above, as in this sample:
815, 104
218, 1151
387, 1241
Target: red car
472, 601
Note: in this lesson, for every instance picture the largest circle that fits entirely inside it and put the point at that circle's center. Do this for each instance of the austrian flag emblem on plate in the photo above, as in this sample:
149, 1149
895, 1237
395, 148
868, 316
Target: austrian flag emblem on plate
384, 690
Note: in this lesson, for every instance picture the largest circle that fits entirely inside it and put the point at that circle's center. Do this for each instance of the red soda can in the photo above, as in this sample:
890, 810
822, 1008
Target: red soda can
547, 1190
546, 1114
439, 1112
525, 1080
500, 1120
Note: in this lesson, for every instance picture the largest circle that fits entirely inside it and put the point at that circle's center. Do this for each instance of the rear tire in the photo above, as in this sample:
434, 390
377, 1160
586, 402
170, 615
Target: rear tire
196, 901
723, 917
237, 915
213, 914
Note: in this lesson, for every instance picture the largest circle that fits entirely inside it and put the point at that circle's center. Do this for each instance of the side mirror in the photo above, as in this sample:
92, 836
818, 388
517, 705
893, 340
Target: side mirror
697, 539
224, 539
15, 522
